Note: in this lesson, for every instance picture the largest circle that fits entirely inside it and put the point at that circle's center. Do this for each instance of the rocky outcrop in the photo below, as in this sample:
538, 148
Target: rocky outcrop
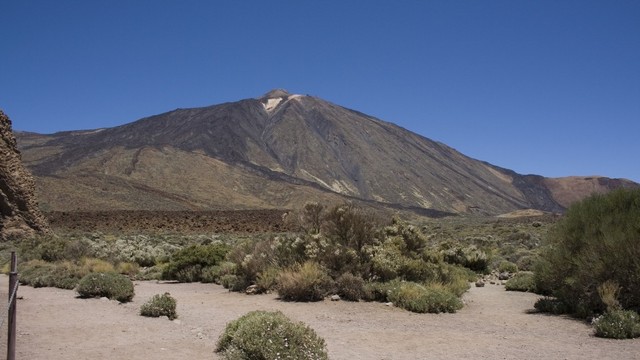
19, 214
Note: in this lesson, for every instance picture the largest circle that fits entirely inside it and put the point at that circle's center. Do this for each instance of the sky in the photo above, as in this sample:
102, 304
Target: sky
540, 87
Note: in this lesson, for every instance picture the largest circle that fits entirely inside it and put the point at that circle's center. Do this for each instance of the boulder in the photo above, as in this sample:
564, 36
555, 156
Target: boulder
19, 213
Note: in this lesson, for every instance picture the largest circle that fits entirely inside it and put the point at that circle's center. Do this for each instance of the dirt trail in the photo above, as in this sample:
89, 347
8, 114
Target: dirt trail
53, 324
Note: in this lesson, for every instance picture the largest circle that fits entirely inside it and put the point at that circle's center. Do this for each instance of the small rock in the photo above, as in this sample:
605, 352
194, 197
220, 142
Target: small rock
479, 283
389, 304
251, 290
335, 297
504, 276
104, 299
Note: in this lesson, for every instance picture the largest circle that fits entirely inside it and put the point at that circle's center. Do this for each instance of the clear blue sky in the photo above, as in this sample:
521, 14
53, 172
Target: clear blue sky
542, 87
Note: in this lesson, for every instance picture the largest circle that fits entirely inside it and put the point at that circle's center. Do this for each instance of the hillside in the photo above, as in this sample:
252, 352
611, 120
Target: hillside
277, 151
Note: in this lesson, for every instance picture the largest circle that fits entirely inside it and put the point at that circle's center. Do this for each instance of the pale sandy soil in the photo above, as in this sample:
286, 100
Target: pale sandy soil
54, 324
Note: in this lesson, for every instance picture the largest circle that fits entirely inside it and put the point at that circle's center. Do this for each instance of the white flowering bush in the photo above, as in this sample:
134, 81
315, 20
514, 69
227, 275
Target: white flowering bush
141, 249
270, 335
617, 324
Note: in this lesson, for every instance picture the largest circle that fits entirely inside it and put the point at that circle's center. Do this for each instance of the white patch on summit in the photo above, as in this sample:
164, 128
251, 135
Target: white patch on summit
272, 103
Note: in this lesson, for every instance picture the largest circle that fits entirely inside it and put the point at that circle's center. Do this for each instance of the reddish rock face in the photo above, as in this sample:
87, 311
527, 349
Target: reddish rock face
19, 213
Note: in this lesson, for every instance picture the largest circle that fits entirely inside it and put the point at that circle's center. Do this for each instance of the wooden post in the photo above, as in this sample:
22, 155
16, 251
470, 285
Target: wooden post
11, 337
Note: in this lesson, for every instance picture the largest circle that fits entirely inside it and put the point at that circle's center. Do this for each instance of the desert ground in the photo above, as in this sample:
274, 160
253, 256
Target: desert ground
494, 324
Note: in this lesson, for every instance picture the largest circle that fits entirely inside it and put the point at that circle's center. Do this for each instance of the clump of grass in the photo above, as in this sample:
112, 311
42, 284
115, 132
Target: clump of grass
111, 285
96, 265
160, 305
270, 335
306, 282
128, 268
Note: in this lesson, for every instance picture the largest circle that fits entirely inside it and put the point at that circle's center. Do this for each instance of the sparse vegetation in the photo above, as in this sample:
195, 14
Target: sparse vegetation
160, 305
270, 335
110, 285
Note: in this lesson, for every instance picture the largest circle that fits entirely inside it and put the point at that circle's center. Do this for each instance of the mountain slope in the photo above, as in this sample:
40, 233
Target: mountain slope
279, 150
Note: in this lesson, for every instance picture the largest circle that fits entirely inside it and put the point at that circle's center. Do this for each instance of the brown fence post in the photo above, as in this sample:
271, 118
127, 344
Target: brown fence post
13, 298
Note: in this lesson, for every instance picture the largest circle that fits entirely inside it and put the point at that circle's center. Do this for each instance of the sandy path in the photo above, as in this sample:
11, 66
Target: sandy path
53, 324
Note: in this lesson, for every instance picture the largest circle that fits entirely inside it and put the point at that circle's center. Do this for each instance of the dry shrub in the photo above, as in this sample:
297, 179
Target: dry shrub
306, 282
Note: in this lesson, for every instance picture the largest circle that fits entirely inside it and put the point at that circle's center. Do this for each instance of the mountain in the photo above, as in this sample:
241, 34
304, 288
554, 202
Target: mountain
279, 150
19, 212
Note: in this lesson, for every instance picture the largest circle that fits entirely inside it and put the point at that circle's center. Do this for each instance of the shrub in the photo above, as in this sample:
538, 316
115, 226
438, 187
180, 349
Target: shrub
618, 324
128, 268
507, 266
270, 335
433, 298
160, 305
596, 241
350, 287
233, 282
379, 291
551, 306
469, 257
38, 273
455, 278
523, 281
306, 282
608, 292
96, 265
268, 279
186, 265
111, 285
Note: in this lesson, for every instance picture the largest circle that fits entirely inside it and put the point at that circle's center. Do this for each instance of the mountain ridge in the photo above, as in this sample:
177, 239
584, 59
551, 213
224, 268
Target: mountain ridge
299, 147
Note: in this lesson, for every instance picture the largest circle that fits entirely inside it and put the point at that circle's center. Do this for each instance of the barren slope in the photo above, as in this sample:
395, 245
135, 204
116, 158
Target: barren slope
272, 152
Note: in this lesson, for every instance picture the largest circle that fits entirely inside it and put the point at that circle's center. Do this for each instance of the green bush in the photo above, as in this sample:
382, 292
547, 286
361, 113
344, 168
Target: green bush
469, 257
270, 335
160, 305
522, 281
596, 241
233, 282
268, 279
111, 285
433, 298
187, 264
39, 273
551, 306
618, 324
350, 287
507, 266
379, 291
306, 282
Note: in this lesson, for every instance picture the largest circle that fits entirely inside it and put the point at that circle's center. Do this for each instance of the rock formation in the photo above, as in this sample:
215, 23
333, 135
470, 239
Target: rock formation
19, 213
